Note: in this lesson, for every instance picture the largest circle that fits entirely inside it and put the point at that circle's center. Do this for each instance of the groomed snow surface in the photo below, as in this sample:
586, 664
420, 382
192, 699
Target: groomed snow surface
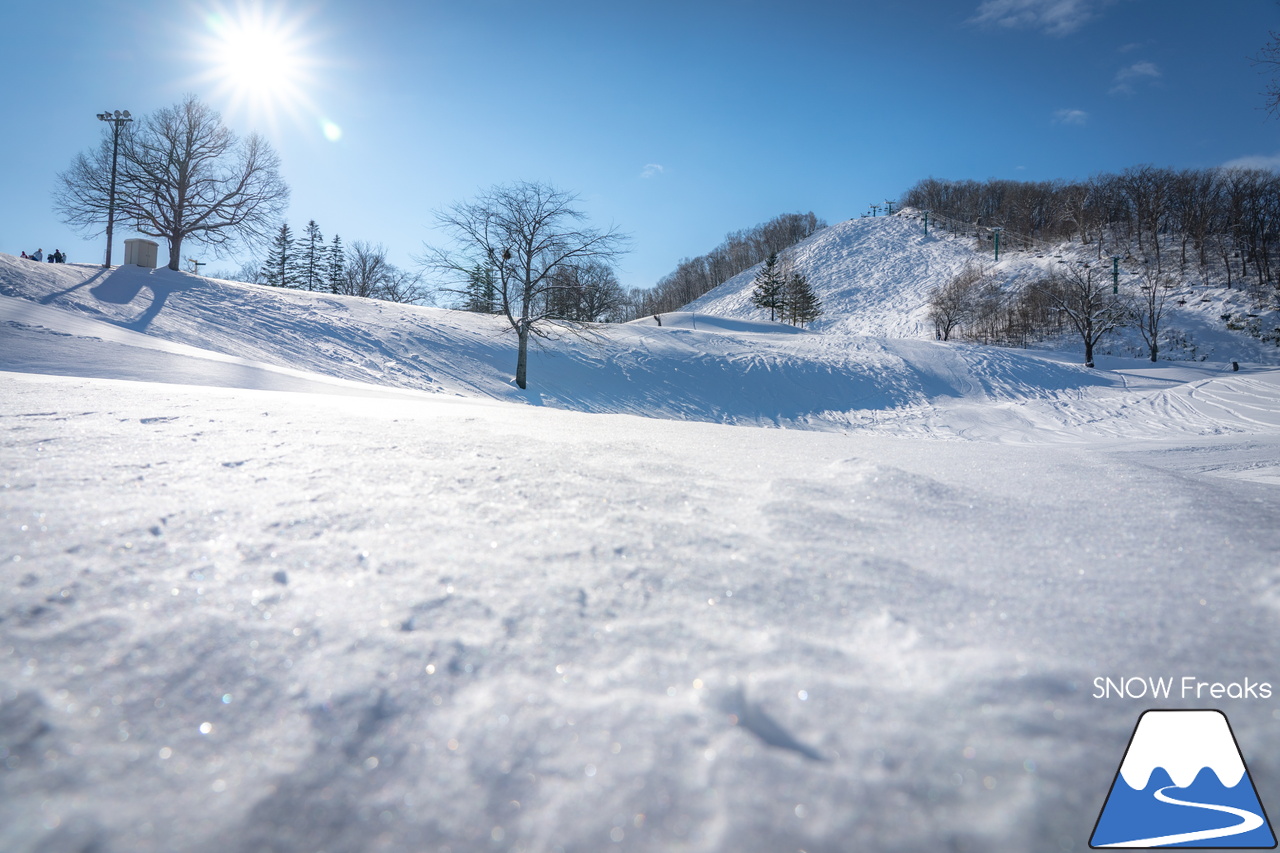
296, 572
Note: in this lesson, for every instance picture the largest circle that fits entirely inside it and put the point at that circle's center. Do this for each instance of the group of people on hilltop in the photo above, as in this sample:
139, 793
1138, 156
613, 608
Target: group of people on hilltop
55, 257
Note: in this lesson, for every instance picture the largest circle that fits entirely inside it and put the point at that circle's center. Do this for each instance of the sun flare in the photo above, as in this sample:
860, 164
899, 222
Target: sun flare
259, 60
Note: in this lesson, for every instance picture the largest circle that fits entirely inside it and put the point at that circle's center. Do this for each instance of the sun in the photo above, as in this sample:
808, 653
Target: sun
259, 61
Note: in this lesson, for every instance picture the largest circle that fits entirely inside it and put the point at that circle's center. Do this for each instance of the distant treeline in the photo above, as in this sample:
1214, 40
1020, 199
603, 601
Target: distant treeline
1229, 215
740, 251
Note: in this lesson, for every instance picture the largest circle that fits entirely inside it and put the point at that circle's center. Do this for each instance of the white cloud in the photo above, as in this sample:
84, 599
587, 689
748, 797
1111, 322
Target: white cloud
1055, 17
1256, 161
1079, 117
651, 170
1130, 75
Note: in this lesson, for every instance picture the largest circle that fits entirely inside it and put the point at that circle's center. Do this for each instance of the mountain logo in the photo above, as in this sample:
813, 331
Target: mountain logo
1183, 783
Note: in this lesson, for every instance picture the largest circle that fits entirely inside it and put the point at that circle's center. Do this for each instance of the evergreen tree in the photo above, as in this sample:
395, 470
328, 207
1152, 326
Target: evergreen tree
481, 293
313, 257
336, 259
281, 268
800, 305
769, 284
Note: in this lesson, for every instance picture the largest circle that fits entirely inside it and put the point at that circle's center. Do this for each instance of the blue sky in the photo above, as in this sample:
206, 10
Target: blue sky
676, 122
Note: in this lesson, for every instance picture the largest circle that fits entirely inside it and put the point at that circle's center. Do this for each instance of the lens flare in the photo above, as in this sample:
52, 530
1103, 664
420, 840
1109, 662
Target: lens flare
262, 60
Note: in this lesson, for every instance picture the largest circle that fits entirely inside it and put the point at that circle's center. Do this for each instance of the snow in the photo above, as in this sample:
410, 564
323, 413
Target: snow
288, 571
874, 276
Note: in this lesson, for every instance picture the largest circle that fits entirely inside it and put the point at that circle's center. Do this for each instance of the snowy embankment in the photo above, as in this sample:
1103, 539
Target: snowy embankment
291, 572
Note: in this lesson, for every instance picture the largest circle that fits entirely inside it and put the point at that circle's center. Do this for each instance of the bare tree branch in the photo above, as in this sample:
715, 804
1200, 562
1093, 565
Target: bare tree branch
183, 175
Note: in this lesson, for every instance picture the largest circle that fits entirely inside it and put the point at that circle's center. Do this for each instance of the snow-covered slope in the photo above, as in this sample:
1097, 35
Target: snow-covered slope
136, 324
292, 572
874, 276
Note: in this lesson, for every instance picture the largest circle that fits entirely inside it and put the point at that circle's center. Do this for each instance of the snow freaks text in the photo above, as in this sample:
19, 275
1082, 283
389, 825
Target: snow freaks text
1186, 687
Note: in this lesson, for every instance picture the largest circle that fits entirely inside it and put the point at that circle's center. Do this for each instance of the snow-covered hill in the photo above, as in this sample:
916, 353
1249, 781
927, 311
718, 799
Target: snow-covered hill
132, 323
874, 276
293, 572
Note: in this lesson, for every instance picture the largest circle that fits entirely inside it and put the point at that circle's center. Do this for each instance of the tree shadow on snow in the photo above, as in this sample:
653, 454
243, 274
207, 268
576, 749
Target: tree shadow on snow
45, 300
123, 289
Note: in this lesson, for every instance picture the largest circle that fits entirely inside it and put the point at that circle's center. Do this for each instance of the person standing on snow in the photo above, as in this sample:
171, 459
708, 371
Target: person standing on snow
38, 256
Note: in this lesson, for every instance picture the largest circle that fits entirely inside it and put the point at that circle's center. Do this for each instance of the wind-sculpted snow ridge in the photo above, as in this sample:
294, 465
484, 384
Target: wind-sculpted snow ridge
130, 323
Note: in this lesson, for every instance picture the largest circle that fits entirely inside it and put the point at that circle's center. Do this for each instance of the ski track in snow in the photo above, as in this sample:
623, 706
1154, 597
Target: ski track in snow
294, 572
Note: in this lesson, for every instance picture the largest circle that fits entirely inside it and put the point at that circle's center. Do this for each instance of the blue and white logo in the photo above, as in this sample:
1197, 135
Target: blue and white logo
1183, 783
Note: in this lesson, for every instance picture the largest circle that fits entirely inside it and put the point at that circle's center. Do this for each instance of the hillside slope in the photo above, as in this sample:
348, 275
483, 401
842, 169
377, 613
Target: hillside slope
132, 323
874, 277
292, 572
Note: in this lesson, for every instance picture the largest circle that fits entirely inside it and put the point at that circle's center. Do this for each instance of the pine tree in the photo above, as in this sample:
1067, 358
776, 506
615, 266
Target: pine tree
312, 260
336, 259
481, 295
800, 305
769, 285
281, 268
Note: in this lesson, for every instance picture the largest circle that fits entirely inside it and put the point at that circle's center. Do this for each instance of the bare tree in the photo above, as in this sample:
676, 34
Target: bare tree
249, 272
183, 176
585, 293
369, 274
366, 266
524, 232
400, 285
82, 194
1150, 307
953, 303
1269, 58
1087, 301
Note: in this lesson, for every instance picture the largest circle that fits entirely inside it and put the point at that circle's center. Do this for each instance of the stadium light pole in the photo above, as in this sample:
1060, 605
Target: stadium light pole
118, 120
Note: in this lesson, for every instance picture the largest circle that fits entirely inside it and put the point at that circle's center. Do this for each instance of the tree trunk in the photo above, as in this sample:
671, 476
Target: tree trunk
1088, 352
522, 359
175, 252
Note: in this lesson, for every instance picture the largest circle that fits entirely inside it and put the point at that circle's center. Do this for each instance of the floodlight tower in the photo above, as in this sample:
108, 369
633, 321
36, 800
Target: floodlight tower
118, 120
